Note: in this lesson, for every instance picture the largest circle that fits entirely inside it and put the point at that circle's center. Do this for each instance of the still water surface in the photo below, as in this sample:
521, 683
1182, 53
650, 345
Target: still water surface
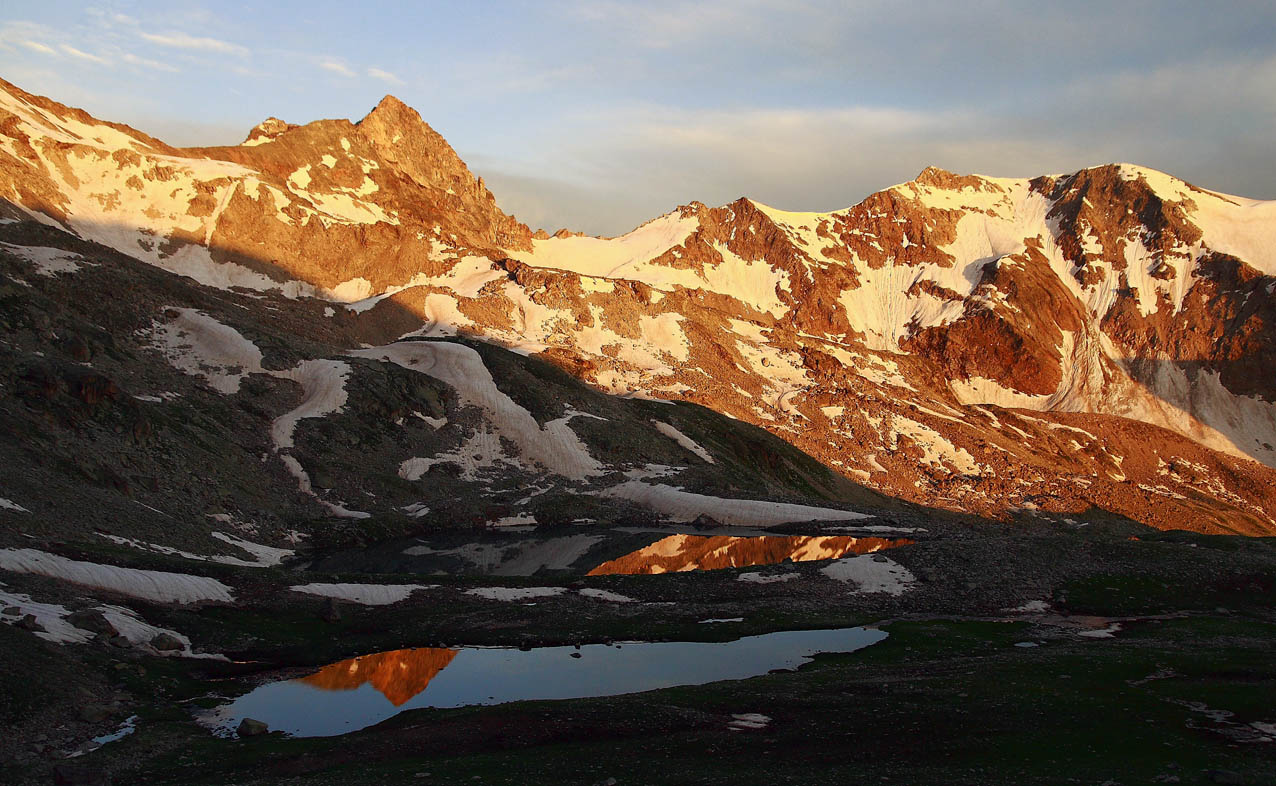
360, 692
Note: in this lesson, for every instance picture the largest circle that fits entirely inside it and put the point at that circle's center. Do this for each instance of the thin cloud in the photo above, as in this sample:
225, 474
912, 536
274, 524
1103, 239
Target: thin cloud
795, 159
179, 40
661, 24
337, 67
146, 62
384, 76
82, 55
41, 48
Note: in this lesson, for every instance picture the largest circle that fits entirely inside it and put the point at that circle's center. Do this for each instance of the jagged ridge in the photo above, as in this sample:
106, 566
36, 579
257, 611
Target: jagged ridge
977, 343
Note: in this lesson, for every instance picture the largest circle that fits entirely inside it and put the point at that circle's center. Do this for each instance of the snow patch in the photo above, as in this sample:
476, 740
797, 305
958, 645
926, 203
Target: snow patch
13, 506
516, 593
364, 594
684, 506
199, 345
263, 556
872, 573
685, 441
1102, 633
602, 594
154, 585
748, 721
48, 261
50, 616
555, 447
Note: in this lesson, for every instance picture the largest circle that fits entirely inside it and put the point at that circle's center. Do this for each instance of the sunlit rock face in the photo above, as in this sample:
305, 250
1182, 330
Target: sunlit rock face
398, 674
695, 552
1097, 339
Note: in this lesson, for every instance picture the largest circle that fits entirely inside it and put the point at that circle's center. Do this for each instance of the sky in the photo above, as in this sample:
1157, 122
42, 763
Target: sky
598, 115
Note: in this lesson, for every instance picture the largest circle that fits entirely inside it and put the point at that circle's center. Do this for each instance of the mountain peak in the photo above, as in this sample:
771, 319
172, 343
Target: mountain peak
391, 108
267, 130
937, 177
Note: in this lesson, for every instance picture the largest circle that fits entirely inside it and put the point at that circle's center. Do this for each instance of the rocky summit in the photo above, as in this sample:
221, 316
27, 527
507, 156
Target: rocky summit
314, 400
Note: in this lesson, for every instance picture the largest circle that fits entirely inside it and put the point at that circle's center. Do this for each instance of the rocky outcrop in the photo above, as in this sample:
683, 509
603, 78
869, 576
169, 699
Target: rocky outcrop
1092, 340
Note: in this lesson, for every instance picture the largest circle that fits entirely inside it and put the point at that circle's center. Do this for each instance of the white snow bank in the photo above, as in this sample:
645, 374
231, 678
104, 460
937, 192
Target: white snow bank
197, 344
10, 505
323, 391
264, 556
126, 728
516, 593
303, 482
753, 282
140, 633
48, 261
555, 447
601, 594
873, 573
1102, 633
50, 616
151, 585
751, 721
627, 256
685, 441
366, 594
1031, 607
683, 506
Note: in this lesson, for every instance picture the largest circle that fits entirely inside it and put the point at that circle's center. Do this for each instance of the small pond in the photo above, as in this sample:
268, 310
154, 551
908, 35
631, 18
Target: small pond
595, 551
677, 553
360, 692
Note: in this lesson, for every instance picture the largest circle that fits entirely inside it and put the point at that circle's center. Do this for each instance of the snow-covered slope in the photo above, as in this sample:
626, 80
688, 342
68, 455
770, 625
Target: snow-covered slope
1092, 339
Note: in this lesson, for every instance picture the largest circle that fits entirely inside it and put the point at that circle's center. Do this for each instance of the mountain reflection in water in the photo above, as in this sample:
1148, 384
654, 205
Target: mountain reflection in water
697, 552
359, 692
398, 674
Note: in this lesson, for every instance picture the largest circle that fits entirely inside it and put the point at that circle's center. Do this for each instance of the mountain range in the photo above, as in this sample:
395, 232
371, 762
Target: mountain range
309, 416
988, 346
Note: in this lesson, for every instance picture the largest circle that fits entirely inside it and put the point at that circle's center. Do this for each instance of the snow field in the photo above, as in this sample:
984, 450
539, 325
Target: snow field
153, 585
684, 506
872, 573
555, 447
364, 594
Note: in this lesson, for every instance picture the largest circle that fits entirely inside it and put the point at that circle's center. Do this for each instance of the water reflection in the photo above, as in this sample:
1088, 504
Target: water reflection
697, 552
359, 692
398, 675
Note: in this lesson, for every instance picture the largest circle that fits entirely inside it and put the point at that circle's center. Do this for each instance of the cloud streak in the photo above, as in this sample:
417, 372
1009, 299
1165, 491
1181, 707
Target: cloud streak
179, 40
148, 63
338, 68
73, 52
612, 111
36, 46
384, 76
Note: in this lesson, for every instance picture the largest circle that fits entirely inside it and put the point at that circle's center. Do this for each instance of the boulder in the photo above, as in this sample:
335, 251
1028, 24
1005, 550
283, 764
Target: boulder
167, 642
249, 727
29, 622
94, 621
